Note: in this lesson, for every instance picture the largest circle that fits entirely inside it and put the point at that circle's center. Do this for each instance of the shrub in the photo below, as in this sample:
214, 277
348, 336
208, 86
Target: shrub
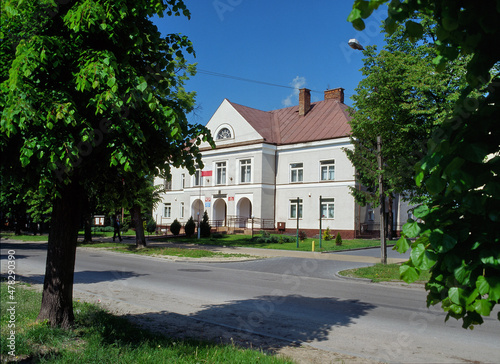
151, 226
190, 227
285, 239
274, 239
217, 235
338, 239
265, 234
302, 235
205, 226
327, 235
175, 227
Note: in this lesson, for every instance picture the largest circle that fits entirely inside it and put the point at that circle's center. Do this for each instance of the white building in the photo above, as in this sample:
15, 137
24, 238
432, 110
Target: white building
264, 161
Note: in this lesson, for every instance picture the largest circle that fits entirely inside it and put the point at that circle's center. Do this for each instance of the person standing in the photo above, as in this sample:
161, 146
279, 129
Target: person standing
116, 225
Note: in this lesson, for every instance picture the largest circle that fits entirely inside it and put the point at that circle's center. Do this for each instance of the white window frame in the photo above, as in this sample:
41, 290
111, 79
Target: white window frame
221, 173
183, 181
167, 210
293, 209
182, 210
370, 213
245, 170
325, 212
167, 184
197, 179
329, 168
297, 169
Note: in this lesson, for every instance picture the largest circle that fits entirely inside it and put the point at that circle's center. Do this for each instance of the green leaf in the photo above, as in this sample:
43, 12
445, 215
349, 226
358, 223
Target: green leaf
483, 307
402, 245
457, 296
482, 285
354, 15
414, 29
411, 229
421, 211
142, 86
435, 184
408, 273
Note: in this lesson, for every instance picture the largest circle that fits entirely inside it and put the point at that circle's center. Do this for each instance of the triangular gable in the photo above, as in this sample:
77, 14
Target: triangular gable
232, 117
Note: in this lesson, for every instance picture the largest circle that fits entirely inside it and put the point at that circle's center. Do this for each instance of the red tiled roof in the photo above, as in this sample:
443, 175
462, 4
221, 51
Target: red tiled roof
326, 119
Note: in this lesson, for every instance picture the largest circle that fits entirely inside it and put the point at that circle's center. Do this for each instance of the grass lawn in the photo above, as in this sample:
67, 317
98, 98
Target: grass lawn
247, 241
381, 273
11, 236
100, 337
152, 250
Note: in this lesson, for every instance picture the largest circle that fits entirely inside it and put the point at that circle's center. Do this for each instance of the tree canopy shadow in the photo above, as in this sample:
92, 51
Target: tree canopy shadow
88, 277
266, 322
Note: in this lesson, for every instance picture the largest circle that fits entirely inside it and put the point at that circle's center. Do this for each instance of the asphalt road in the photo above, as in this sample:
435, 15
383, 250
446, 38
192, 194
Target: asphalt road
298, 300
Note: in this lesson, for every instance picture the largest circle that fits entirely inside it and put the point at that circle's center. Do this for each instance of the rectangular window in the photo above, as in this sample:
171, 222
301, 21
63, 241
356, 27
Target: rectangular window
167, 184
327, 208
182, 210
370, 213
296, 172
327, 170
245, 171
198, 180
293, 209
221, 173
183, 181
168, 210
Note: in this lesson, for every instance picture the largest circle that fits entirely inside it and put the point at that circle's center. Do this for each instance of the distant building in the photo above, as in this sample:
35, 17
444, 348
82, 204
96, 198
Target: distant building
264, 161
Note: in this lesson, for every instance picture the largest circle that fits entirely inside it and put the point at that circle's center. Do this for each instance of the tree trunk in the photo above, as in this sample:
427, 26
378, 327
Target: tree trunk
87, 213
57, 297
390, 218
140, 239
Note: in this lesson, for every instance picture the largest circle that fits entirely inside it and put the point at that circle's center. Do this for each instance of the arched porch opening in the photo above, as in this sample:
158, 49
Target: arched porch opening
220, 213
243, 211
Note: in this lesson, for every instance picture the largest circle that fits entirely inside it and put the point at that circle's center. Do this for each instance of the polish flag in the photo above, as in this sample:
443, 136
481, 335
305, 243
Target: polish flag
206, 173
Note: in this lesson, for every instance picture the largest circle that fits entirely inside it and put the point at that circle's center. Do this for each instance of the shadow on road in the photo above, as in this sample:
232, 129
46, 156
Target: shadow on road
266, 322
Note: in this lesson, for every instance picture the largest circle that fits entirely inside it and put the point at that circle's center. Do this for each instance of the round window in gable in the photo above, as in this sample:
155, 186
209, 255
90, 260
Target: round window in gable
224, 133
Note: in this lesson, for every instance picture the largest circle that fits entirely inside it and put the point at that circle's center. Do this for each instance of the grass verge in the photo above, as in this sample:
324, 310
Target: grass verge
161, 251
99, 337
381, 273
247, 241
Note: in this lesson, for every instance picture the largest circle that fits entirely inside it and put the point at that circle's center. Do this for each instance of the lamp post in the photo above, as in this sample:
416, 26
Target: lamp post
354, 44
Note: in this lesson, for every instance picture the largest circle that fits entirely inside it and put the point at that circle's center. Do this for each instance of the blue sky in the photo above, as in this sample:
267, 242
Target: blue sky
292, 43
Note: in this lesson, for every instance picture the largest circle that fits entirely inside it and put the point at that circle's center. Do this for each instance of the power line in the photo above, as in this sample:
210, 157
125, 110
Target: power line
223, 75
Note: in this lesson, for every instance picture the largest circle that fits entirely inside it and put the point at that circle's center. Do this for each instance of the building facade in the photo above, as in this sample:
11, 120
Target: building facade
275, 170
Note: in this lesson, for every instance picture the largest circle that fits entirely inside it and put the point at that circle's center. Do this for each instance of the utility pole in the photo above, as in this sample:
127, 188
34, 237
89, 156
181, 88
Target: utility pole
383, 243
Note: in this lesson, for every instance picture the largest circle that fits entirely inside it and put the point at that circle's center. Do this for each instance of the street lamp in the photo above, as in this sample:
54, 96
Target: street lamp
354, 44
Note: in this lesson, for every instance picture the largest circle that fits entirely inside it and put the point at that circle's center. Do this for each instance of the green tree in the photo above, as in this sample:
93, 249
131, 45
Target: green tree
175, 227
87, 95
457, 230
190, 227
205, 227
401, 98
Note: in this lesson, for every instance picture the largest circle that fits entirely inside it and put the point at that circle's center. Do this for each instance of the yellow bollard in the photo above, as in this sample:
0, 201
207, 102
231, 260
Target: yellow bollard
313, 245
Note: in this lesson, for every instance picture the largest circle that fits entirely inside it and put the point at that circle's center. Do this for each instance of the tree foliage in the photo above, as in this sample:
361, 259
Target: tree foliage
457, 232
89, 95
401, 98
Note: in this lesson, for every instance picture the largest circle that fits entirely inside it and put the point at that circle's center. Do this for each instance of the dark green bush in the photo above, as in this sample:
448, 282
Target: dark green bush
217, 235
338, 239
265, 234
302, 235
175, 227
190, 227
205, 226
151, 226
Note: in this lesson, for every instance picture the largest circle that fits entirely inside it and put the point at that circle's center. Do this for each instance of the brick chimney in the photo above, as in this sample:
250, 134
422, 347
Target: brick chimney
304, 101
336, 94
